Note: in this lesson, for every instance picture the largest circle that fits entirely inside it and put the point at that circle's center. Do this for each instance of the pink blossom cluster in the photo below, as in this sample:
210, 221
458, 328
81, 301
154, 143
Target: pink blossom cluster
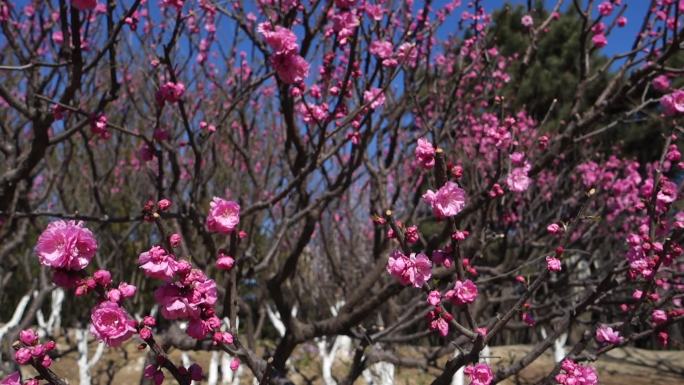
290, 66
170, 92
439, 319
573, 373
463, 293
186, 294
343, 24
98, 125
191, 297
30, 351
673, 103
415, 269
517, 179
425, 154
479, 374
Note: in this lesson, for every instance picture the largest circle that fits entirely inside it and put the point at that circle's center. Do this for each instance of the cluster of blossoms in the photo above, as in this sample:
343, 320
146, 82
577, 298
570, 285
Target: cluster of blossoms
644, 255
425, 154
464, 292
439, 319
290, 66
30, 351
98, 124
67, 247
480, 374
187, 293
170, 92
573, 373
415, 269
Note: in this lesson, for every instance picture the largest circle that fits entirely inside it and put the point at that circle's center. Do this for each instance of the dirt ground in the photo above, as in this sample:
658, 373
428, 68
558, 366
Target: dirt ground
628, 366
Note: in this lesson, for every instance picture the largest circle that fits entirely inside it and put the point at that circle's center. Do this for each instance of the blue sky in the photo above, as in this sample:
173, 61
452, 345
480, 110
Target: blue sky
620, 40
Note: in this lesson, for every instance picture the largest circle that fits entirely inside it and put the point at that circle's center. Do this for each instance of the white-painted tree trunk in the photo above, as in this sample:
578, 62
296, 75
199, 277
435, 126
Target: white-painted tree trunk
85, 364
381, 373
50, 326
458, 378
558, 345
16, 317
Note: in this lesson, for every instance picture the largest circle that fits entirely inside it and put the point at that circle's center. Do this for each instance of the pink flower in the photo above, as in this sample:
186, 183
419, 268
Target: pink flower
84, 5
157, 263
66, 245
224, 262
553, 264
464, 292
281, 40
98, 125
234, 364
151, 371
175, 240
659, 317
673, 103
111, 324
606, 334
621, 21
517, 158
448, 201
22, 356
661, 83
441, 325
375, 97
290, 68
518, 180
114, 295
174, 304
412, 234
554, 229
198, 328
103, 278
416, 269
164, 204
425, 154
434, 298
573, 373
480, 374
223, 217
527, 21
599, 40
381, 49
170, 92
28, 337
12, 379
127, 290
185, 300
605, 8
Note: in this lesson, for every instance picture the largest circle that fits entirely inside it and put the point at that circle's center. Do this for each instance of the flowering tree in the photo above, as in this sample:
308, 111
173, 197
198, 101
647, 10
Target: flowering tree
177, 166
